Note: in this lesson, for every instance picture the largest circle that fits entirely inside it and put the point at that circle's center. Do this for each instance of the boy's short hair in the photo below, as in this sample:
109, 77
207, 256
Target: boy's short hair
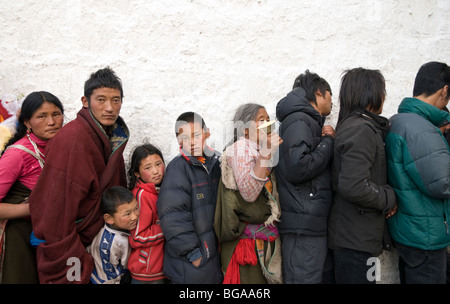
311, 82
189, 117
430, 78
114, 197
103, 78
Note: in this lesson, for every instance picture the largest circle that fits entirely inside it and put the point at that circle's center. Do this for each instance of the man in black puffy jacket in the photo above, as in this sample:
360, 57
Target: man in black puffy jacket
304, 178
186, 206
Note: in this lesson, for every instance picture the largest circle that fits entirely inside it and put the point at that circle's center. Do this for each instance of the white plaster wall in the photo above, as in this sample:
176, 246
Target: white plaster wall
212, 55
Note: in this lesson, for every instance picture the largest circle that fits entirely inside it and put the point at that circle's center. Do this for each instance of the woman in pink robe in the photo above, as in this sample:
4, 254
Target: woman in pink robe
41, 117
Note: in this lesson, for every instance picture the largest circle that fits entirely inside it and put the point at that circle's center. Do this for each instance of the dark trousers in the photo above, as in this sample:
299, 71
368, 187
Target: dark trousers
305, 259
352, 267
417, 266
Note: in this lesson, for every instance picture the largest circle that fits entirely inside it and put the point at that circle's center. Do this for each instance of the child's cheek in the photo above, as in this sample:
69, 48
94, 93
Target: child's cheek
145, 176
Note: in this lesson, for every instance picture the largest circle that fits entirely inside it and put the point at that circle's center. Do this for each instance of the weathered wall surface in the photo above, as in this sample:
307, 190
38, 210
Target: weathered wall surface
211, 56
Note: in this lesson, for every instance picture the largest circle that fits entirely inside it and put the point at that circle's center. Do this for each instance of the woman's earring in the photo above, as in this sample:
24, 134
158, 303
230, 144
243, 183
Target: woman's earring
28, 131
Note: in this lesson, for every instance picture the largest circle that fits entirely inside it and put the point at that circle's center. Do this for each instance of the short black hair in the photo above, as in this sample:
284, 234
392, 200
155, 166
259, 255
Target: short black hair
114, 197
430, 78
103, 78
311, 82
189, 117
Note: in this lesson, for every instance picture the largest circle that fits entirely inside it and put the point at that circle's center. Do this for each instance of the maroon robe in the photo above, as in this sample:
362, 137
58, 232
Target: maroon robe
65, 203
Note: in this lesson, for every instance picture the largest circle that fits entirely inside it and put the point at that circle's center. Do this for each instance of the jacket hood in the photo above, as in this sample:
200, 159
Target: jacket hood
295, 101
429, 112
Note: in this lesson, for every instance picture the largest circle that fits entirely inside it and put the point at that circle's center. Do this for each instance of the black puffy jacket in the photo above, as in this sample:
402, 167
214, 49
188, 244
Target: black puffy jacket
186, 206
303, 172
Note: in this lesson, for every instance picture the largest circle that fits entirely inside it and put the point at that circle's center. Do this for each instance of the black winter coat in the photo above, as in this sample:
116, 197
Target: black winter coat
303, 172
362, 195
186, 206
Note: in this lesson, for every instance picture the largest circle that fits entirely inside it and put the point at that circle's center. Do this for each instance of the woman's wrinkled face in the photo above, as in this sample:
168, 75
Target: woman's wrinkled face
252, 132
45, 121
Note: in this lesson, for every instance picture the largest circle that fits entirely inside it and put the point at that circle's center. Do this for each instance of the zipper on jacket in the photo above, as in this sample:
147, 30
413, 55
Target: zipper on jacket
210, 181
445, 222
206, 169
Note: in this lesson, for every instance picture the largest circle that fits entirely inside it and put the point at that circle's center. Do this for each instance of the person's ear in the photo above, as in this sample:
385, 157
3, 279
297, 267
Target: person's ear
319, 94
137, 174
207, 133
85, 102
27, 124
444, 92
108, 219
246, 132
180, 142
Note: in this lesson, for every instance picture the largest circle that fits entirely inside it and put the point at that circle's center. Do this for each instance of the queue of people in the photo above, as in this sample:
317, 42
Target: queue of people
311, 204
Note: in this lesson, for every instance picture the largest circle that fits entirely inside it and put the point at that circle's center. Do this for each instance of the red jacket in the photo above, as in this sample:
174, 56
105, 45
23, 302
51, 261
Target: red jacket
147, 240
81, 163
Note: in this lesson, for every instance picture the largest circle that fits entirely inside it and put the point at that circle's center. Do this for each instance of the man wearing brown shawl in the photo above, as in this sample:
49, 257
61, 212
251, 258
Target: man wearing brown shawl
85, 160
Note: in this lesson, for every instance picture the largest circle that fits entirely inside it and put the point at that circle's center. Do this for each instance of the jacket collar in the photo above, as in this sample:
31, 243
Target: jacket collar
111, 229
381, 121
118, 137
210, 155
429, 112
376, 121
150, 187
39, 142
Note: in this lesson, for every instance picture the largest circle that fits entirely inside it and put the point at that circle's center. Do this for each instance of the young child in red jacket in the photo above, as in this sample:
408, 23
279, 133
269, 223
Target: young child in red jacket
146, 240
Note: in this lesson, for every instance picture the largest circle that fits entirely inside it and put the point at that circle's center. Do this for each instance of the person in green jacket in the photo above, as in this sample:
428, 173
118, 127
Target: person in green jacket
419, 171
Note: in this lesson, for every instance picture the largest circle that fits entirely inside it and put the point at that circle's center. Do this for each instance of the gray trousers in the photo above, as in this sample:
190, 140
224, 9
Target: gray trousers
305, 259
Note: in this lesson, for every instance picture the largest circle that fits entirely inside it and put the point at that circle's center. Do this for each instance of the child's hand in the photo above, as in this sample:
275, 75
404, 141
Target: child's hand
196, 263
